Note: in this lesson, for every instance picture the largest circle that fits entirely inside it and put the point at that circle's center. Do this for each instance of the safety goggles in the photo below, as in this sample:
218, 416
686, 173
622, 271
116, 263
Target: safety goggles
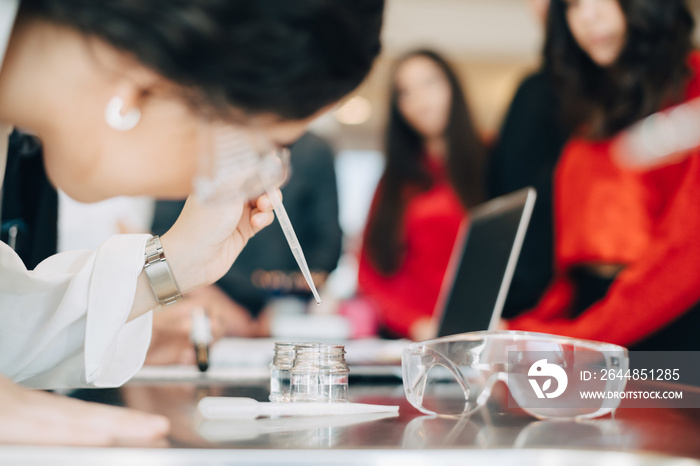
237, 162
546, 375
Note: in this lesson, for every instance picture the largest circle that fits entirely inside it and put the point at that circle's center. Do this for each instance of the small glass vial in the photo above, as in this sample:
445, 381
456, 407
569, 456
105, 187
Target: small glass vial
304, 373
333, 374
280, 372
320, 373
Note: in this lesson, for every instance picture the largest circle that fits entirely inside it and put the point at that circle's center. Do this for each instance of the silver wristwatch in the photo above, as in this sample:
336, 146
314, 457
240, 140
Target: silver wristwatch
159, 274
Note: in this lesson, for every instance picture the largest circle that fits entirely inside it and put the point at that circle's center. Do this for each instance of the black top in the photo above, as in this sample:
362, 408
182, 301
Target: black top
526, 154
29, 202
311, 200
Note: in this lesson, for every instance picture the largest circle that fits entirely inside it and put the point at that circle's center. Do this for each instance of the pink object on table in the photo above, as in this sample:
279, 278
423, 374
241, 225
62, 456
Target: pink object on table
362, 315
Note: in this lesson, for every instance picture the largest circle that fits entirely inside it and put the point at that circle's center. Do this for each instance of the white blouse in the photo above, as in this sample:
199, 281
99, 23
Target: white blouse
63, 324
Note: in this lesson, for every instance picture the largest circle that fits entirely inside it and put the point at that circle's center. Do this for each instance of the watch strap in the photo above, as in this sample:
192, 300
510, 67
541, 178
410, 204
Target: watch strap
159, 274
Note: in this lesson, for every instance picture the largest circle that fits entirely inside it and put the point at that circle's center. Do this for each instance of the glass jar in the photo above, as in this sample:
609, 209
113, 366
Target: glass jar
333, 374
304, 373
280, 372
320, 373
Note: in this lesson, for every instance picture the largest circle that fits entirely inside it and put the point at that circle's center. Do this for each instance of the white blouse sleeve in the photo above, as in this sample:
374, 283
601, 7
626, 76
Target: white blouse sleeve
63, 324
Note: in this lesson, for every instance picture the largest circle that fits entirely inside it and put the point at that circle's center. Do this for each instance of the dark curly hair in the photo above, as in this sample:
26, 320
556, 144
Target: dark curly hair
406, 172
285, 57
650, 73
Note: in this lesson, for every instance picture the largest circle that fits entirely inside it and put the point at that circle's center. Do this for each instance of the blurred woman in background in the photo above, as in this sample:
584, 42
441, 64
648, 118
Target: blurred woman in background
526, 153
433, 175
626, 249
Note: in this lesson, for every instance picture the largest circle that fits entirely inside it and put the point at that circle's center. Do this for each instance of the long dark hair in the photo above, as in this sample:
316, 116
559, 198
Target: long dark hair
406, 175
650, 73
289, 58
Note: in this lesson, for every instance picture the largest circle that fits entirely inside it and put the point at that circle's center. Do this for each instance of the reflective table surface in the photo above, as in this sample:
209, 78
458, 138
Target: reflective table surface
495, 434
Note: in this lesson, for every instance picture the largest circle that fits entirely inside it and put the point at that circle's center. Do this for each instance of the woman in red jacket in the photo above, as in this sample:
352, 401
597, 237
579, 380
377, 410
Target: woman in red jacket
432, 175
626, 249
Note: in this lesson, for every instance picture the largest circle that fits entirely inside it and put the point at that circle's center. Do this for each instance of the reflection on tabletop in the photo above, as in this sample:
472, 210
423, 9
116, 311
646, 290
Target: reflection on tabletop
658, 430
304, 432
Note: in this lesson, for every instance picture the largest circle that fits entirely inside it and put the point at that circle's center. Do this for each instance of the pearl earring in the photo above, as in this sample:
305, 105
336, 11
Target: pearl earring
115, 119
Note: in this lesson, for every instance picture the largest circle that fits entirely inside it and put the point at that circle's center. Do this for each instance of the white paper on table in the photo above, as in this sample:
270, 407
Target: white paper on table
249, 358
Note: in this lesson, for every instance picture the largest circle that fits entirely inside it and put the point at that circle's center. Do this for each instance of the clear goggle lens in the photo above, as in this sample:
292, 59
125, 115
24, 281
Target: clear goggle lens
237, 162
454, 376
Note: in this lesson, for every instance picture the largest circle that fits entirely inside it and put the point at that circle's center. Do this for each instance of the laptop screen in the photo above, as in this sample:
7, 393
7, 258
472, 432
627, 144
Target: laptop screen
483, 261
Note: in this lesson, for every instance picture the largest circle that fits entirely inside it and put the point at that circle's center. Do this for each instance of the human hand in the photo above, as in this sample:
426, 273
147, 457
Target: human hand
172, 325
206, 238
227, 316
29, 417
422, 329
170, 342
287, 282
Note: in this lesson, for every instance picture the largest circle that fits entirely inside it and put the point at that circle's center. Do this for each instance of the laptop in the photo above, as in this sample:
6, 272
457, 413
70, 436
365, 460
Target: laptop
482, 264
476, 282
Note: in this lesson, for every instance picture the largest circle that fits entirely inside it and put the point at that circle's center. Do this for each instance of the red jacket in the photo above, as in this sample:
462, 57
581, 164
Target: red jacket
648, 221
431, 221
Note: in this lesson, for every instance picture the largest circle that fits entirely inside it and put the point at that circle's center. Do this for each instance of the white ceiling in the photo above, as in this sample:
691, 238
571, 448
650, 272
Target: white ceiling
484, 29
